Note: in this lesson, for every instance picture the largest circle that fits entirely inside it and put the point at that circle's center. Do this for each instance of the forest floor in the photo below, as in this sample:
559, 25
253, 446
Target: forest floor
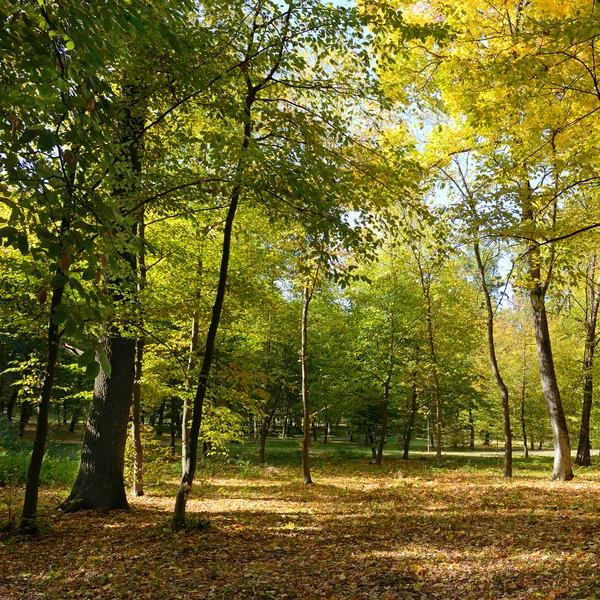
405, 530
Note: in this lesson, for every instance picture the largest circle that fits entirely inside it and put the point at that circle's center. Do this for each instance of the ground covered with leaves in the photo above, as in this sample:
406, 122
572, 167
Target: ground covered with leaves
403, 530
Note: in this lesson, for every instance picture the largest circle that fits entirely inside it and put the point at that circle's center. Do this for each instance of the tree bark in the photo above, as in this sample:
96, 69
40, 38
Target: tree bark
10, 407
185, 419
384, 417
30, 504
99, 483
136, 427
426, 288
523, 389
592, 302
537, 295
494, 364
265, 425
190, 464
26, 410
411, 421
307, 295
471, 430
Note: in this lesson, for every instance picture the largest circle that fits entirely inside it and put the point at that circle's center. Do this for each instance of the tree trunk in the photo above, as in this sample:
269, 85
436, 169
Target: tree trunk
190, 464
307, 295
326, 432
30, 504
74, 420
99, 483
185, 419
161, 418
537, 295
471, 430
136, 433
26, 411
426, 287
384, 418
173, 425
411, 421
494, 364
523, 388
265, 425
10, 407
314, 431
136, 427
592, 303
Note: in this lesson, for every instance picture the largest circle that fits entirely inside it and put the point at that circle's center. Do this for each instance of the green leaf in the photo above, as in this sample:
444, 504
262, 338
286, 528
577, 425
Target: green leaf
59, 280
86, 358
71, 327
92, 370
104, 361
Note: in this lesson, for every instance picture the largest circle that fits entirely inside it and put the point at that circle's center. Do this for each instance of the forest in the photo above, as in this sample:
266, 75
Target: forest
299, 299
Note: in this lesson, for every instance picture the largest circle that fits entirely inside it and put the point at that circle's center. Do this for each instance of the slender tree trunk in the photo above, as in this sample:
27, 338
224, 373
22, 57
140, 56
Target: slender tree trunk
537, 295
185, 419
265, 425
523, 390
136, 433
74, 420
30, 504
592, 303
494, 364
314, 431
173, 425
26, 410
161, 418
411, 421
190, 464
10, 407
471, 430
425, 285
307, 295
326, 432
384, 417
136, 427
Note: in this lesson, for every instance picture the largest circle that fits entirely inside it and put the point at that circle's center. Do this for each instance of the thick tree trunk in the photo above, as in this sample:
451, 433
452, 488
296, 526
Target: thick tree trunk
411, 421
99, 483
307, 295
30, 504
592, 304
190, 464
384, 418
494, 364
